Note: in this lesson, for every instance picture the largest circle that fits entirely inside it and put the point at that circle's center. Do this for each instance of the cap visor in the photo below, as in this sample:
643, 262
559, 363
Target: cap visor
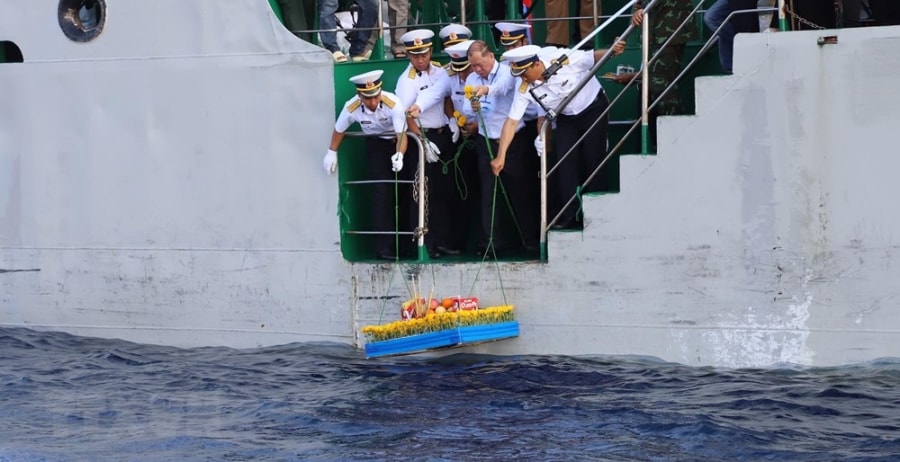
518, 72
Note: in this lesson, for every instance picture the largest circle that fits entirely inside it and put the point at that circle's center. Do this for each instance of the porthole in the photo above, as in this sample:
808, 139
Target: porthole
82, 20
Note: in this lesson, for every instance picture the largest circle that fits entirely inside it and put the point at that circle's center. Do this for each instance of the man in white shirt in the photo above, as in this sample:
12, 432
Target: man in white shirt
464, 167
493, 91
423, 88
378, 113
574, 121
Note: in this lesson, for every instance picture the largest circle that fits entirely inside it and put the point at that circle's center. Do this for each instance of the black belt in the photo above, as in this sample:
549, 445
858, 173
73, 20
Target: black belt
433, 130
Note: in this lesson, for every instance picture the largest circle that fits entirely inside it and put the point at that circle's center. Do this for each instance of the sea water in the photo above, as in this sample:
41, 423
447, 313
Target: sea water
65, 398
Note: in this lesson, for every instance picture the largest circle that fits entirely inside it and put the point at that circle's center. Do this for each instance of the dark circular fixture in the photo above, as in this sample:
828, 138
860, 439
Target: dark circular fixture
82, 20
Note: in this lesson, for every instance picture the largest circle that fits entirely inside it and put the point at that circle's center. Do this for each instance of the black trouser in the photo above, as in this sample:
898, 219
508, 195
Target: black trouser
441, 190
389, 210
885, 12
521, 183
576, 168
465, 191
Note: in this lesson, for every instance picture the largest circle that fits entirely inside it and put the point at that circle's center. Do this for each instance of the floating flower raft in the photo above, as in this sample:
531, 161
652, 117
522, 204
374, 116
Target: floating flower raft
451, 329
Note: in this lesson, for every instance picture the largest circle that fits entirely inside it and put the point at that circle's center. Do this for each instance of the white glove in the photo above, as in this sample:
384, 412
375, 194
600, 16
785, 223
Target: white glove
539, 146
397, 162
329, 163
431, 152
454, 128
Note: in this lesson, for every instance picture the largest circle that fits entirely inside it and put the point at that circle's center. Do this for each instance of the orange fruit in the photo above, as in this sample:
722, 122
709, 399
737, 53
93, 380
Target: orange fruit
447, 302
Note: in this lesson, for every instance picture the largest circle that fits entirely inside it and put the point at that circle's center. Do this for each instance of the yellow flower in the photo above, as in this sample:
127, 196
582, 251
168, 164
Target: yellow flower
461, 120
469, 91
438, 322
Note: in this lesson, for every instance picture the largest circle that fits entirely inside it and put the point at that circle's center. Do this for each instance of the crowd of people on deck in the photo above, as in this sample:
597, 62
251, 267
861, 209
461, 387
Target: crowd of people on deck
479, 119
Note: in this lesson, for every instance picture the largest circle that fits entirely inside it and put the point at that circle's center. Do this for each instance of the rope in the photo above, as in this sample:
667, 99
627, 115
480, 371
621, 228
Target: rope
490, 244
341, 210
458, 178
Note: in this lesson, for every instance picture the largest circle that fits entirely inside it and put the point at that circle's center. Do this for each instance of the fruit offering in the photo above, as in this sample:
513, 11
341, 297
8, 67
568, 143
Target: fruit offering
421, 307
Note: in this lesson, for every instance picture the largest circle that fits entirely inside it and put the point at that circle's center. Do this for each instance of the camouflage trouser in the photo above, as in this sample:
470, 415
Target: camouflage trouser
662, 72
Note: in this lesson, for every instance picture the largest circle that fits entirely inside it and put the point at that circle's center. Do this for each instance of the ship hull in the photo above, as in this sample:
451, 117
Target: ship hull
169, 190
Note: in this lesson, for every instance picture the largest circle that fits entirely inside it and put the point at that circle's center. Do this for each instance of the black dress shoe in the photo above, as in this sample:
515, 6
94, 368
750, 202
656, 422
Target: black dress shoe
566, 224
447, 250
386, 254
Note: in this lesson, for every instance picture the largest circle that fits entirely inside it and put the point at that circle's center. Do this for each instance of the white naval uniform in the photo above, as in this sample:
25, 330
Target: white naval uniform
559, 86
426, 90
389, 117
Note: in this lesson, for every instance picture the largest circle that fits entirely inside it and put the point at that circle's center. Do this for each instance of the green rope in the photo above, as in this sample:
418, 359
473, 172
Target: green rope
579, 214
342, 200
490, 245
458, 177
502, 187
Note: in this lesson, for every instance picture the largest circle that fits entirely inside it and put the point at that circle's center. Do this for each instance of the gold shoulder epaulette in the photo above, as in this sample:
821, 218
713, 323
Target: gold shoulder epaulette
524, 87
450, 72
354, 105
387, 101
436, 63
412, 72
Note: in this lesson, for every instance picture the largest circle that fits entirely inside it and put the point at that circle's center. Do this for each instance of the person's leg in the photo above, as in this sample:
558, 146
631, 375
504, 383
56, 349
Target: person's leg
486, 181
366, 18
663, 72
520, 177
852, 9
886, 12
586, 26
383, 198
463, 193
398, 16
593, 149
327, 22
715, 16
557, 31
439, 189
567, 177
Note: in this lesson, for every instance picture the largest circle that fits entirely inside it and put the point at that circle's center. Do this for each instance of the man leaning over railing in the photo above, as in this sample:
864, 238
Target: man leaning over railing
576, 119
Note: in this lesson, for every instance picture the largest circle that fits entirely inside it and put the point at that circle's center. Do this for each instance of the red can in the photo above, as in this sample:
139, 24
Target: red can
467, 303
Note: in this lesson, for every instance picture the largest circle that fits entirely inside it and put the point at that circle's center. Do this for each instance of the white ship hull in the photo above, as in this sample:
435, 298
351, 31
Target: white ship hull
162, 184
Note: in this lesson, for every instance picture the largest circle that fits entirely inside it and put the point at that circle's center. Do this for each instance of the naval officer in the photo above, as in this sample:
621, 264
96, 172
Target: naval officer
452, 34
528, 63
513, 35
422, 88
465, 174
378, 113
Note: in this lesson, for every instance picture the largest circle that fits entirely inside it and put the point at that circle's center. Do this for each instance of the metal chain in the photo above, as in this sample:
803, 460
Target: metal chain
419, 232
788, 11
838, 14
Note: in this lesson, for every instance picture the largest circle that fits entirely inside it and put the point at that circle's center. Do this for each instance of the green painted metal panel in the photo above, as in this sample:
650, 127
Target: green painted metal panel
277, 9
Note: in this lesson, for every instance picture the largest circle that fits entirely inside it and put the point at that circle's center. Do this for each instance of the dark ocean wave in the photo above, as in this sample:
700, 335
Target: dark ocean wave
72, 398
